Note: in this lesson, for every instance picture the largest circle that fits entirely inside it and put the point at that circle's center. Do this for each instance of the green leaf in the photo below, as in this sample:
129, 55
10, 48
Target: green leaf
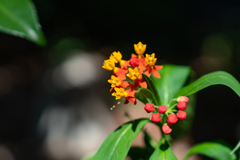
151, 86
18, 18
172, 79
219, 77
118, 143
236, 148
213, 150
145, 95
163, 151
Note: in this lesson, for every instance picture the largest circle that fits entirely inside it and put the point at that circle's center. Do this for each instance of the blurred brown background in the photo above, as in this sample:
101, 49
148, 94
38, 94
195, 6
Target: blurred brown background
55, 101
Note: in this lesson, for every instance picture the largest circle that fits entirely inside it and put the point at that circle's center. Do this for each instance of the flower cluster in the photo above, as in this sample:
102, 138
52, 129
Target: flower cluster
127, 77
173, 113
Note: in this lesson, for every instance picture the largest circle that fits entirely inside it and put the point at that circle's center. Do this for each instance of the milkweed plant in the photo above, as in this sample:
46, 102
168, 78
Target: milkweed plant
170, 103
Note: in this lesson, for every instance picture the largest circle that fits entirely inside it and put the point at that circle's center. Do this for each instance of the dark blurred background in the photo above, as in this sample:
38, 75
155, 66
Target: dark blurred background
55, 99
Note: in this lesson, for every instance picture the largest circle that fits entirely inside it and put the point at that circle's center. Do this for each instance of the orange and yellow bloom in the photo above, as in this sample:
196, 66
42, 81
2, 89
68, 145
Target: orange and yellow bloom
131, 69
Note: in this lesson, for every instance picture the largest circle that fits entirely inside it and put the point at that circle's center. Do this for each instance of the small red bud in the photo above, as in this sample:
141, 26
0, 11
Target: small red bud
172, 118
166, 129
183, 99
156, 117
181, 115
162, 109
182, 105
149, 107
134, 62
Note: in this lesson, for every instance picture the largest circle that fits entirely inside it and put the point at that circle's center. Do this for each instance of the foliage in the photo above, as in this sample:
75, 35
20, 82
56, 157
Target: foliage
18, 18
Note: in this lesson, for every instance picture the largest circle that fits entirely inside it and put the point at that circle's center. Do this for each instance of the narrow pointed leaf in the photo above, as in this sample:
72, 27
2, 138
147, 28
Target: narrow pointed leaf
151, 86
18, 18
215, 78
172, 79
213, 150
163, 151
145, 96
117, 144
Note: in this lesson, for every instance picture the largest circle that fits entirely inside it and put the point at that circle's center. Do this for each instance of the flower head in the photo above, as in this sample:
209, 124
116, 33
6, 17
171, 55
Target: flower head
150, 59
182, 105
149, 107
116, 56
119, 93
140, 48
166, 129
134, 73
162, 109
183, 99
108, 64
181, 115
156, 117
172, 118
151, 67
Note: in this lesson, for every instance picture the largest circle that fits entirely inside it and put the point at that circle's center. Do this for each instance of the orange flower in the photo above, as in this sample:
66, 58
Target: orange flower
151, 67
116, 82
140, 48
135, 75
128, 94
119, 72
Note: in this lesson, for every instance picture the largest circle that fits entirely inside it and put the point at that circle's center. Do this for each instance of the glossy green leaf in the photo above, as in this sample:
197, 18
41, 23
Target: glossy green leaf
172, 79
18, 18
145, 95
219, 77
151, 86
117, 144
213, 150
163, 152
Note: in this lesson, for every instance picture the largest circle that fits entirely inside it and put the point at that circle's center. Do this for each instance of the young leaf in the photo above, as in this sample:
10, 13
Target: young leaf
163, 151
172, 80
151, 86
145, 96
212, 150
219, 77
118, 143
18, 18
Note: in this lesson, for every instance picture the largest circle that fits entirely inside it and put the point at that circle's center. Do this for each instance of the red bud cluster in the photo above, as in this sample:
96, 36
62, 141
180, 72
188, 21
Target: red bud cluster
174, 115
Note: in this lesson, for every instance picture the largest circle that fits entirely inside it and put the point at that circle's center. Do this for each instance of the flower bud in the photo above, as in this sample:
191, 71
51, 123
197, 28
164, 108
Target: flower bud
182, 105
156, 117
134, 62
162, 109
183, 99
166, 129
181, 115
149, 107
172, 118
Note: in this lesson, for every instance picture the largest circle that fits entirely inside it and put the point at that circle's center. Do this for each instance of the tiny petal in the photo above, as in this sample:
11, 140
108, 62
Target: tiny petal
183, 99
166, 129
182, 105
162, 109
156, 117
172, 118
181, 115
149, 107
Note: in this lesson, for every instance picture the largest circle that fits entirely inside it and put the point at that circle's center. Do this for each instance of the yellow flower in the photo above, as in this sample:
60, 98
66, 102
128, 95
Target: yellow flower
140, 48
150, 59
134, 73
115, 81
116, 56
119, 93
108, 64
